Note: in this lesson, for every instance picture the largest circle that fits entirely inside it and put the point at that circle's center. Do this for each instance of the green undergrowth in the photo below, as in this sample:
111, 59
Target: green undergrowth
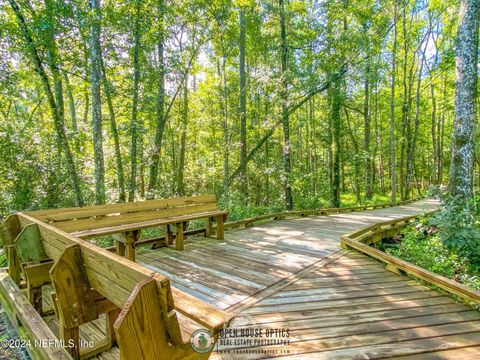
420, 243
239, 211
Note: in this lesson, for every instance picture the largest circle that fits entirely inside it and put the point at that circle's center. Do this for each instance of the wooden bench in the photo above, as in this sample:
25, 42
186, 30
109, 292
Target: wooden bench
125, 221
145, 317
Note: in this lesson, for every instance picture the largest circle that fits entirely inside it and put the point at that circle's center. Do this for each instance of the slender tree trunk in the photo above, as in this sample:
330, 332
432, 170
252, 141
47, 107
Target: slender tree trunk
224, 109
71, 104
160, 115
181, 162
411, 153
96, 78
336, 107
285, 116
134, 121
441, 133
366, 149
433, 131
356, 159
114, 130
393, 165
462, 162
243, 101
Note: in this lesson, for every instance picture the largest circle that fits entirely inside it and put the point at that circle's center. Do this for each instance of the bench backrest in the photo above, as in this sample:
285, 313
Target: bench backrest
100, 216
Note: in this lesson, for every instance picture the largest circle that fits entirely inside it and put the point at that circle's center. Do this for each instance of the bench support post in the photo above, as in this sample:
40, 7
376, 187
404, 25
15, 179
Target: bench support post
168, 235
179, 238
209, 229
120, 248
220, 227
126, 243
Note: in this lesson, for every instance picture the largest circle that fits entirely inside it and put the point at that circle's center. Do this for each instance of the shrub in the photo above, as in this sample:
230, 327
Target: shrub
458, 227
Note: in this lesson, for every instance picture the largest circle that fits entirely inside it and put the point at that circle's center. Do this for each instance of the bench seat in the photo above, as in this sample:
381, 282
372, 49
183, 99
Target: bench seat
125, 221
85, 234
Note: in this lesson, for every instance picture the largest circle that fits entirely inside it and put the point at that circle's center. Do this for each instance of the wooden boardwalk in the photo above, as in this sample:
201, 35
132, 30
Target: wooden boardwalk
336, 304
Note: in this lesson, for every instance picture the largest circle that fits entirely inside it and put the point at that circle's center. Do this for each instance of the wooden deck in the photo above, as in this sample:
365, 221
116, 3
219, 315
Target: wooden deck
337, 304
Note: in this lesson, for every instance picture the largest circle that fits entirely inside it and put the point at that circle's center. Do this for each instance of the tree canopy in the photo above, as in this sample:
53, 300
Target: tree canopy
269, 103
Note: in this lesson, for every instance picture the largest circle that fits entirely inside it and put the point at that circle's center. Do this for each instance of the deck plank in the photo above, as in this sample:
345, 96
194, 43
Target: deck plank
337, 304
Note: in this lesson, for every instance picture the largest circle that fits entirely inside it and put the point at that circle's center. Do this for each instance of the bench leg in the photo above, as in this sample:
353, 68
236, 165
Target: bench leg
168, 235
209, 229
35, 297
220, 229
67, 335
111, 317
131, 239
179, 237
120, 248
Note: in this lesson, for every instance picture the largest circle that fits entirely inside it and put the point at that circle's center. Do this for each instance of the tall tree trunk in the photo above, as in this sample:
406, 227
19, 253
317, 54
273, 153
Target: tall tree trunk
356, 159
335, 118
134, 121
96, 78
243, 101
56, 112
366, 149
224, 110
433, 132
71, 104
160, 106
181, 161
285, 116
462, 163
114, 130
411, 152
393, 165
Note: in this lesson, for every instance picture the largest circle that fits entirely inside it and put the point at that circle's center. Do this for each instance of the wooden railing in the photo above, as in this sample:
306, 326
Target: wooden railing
362, 240
313, 212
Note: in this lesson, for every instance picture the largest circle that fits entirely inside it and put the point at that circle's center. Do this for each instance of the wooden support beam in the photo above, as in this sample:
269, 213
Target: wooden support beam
126, 242
168, 235
209, 228
71, 338
220, 227
120, 248
13, 263
179, 238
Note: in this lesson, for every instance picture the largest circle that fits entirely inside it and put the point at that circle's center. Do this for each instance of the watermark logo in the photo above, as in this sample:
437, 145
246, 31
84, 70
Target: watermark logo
202, 341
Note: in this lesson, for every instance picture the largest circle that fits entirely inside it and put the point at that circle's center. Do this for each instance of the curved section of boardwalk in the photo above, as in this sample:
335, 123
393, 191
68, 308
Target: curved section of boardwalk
337, 304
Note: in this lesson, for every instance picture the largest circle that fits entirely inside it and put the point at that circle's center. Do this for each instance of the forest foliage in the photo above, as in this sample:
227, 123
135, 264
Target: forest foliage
267, 103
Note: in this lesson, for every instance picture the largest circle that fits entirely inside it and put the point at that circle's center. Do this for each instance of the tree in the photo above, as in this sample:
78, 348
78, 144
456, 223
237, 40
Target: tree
134, 128
393, 165
160, 104
285, 115
243, 97
462, 162
96, 76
